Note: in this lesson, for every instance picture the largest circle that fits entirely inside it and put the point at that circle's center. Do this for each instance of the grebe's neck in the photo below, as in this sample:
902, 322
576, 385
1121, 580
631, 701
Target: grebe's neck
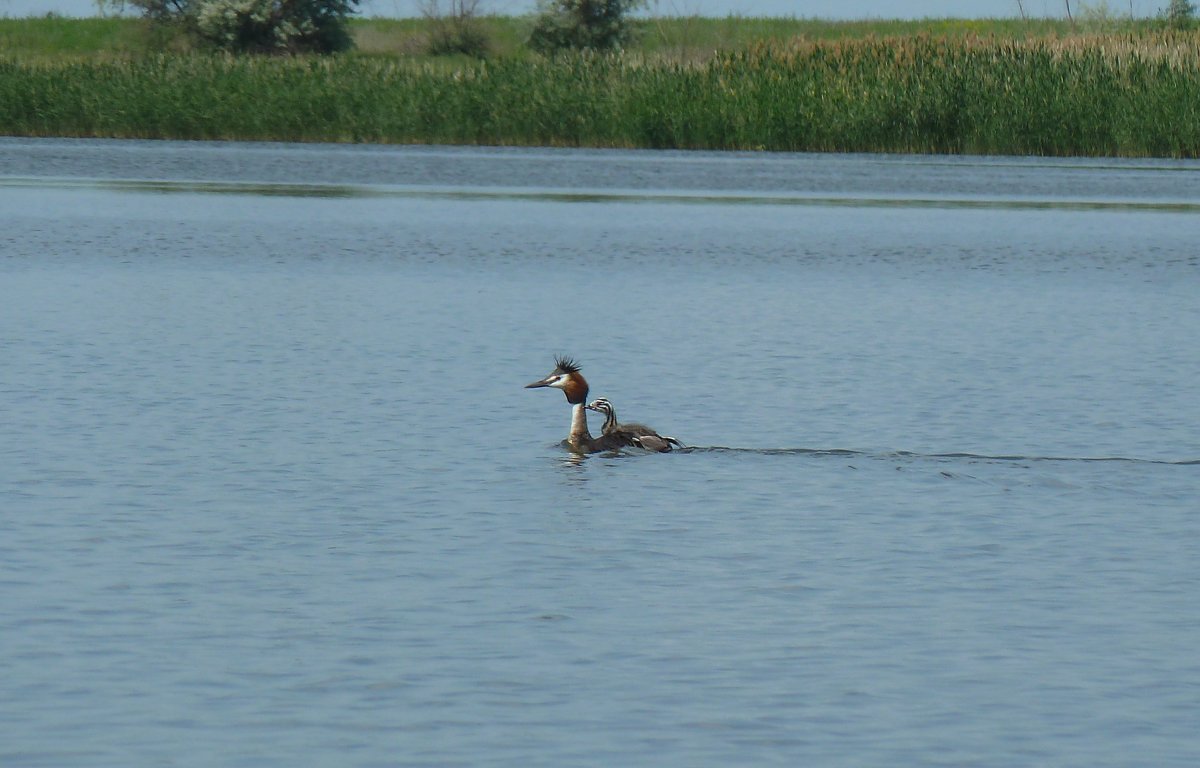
579, 436
610, 420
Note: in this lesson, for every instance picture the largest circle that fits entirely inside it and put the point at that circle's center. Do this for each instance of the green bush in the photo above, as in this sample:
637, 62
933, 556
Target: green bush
456, 30
600, 25
259, 26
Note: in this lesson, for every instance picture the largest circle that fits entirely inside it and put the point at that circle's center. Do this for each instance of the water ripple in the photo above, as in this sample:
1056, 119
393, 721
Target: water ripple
909, 455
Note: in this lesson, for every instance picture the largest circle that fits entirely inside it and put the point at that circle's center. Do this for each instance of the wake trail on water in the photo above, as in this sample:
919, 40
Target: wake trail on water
912, 456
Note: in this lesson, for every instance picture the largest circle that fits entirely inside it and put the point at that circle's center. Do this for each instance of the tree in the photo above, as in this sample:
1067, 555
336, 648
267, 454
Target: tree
595, 24
1180, 14
455, 30
259, 26
166, 10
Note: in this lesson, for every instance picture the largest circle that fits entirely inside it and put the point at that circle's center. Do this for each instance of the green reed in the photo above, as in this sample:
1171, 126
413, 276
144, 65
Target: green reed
1131, 95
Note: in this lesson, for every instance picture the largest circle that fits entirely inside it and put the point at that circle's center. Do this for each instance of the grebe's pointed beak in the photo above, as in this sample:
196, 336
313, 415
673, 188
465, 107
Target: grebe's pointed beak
542, 383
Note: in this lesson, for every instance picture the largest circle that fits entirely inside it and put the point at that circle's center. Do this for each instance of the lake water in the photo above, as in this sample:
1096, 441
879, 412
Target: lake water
272, 493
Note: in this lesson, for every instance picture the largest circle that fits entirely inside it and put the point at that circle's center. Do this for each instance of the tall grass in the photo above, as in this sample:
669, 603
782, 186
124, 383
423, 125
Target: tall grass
1130, 95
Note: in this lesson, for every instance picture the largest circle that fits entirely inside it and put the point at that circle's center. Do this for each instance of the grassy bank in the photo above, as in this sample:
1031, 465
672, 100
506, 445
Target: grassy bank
1127, 94
689, 38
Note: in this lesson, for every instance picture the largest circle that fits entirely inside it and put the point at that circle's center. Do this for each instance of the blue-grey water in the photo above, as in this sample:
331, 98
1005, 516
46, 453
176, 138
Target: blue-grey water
272, 493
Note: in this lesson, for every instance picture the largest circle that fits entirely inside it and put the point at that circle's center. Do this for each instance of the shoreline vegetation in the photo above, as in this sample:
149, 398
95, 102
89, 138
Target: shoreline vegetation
1014, 87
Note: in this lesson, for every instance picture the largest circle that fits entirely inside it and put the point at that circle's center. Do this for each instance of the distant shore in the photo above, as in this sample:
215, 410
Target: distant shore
991, 87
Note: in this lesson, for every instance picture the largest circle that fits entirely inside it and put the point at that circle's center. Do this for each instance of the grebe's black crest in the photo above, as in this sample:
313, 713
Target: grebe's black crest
566, 364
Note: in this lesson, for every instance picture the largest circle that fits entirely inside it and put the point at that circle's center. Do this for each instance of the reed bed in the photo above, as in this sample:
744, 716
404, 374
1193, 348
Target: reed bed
1133, 95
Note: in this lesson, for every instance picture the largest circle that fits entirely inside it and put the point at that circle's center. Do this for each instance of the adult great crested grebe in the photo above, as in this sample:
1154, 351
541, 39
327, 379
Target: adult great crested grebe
566, 376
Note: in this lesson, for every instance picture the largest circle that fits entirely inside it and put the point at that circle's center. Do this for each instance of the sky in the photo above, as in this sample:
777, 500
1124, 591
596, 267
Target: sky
827, 9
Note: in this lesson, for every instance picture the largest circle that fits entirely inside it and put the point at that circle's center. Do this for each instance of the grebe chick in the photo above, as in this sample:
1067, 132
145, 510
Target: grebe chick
638, 435
566, 376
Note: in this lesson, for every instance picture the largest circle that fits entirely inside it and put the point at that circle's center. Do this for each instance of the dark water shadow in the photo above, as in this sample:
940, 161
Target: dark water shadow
602, 195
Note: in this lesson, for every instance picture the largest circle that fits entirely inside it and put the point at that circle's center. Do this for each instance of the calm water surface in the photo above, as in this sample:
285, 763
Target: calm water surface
272, 494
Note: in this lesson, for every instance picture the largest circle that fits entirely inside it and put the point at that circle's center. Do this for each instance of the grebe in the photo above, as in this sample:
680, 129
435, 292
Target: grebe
566, 376
638, 435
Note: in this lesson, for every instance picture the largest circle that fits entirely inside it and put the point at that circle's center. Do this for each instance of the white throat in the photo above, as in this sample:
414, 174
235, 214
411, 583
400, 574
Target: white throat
579, 425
